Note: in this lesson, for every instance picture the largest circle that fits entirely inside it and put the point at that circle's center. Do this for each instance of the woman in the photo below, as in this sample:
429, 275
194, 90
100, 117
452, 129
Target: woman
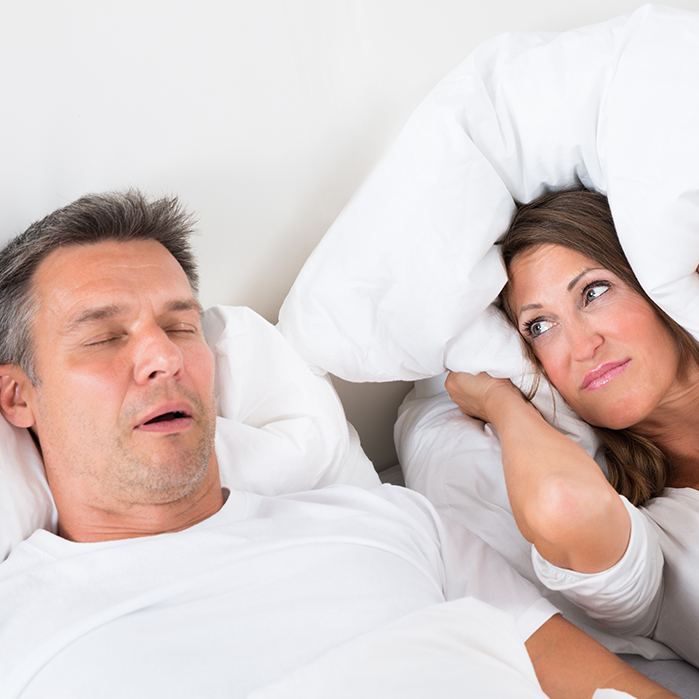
627, 369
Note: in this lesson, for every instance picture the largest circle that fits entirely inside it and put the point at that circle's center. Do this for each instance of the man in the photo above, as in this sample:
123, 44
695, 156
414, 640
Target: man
159, 582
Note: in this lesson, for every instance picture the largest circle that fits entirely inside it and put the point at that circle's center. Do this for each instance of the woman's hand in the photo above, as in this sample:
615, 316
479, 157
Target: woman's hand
477, 394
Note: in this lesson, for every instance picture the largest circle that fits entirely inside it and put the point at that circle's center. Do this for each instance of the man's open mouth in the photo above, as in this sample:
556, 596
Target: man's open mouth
167, 418
173, 415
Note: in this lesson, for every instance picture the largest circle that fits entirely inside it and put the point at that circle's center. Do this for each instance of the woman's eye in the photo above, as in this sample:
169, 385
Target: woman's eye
536, 328
594, 291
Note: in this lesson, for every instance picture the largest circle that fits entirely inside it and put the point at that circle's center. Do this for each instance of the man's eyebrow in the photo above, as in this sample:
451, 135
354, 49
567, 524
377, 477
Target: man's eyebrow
91, 315
98, 313
190, 304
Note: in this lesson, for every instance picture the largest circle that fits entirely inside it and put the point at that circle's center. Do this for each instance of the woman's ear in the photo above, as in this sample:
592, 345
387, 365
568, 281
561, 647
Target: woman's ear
14, 388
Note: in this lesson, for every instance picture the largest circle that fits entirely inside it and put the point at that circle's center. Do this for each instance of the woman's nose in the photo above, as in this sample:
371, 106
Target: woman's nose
156, 356
584, 340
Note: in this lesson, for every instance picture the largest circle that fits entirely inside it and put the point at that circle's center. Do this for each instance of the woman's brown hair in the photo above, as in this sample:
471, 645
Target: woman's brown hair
582, 221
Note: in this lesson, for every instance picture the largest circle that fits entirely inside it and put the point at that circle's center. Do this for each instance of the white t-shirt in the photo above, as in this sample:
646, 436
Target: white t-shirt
625, 598
240, 600
652, 590
675, 516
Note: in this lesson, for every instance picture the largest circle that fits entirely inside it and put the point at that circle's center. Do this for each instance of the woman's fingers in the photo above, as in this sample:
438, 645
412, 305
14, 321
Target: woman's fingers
473, 392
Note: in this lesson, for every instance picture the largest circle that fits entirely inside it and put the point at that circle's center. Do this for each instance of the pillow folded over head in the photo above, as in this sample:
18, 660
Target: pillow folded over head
400, 285
280, 428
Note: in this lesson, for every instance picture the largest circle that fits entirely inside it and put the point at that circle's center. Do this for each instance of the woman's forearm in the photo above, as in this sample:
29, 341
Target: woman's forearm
570, 664
560, 498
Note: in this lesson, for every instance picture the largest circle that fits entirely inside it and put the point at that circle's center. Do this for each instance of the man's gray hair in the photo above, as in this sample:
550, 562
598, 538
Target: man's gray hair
91, 219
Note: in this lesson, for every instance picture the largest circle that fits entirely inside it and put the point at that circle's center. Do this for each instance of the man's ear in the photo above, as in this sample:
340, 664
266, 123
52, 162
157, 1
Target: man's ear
15, 387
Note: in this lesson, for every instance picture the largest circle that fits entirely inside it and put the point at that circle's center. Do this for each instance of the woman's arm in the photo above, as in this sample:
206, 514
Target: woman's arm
561, 500
570, 664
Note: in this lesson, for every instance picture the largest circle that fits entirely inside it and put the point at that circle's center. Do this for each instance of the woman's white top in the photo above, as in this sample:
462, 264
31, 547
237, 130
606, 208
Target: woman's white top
652, 590
675, 516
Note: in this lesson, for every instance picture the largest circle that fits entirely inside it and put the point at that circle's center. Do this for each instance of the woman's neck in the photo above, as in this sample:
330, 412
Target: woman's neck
674, 427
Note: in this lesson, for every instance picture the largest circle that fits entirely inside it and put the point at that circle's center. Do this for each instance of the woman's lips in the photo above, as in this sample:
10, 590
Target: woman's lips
603, 374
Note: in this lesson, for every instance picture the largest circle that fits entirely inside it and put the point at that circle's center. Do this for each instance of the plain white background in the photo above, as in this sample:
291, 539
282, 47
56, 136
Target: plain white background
263, 116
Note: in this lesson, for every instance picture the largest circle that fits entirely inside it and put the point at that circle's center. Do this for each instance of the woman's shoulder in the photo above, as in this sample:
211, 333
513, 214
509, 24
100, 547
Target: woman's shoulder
675, 512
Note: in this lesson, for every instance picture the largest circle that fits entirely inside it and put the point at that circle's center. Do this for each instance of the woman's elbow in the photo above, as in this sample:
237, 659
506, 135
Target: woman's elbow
582, 526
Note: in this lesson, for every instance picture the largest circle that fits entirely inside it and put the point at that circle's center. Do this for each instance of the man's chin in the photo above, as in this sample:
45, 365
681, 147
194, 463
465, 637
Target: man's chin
161, 490
170, 475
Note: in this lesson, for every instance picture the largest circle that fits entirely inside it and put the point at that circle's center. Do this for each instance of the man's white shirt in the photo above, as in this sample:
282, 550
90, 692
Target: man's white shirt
239, 601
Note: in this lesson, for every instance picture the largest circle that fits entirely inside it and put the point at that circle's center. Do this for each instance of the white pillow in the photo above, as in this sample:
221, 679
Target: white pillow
281, 428
25, 500
399, 286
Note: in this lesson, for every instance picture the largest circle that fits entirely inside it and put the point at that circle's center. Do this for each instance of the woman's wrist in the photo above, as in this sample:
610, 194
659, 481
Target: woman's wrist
502, 400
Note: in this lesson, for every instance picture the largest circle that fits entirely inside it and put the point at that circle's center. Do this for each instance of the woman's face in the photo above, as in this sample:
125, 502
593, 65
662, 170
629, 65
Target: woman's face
599, 342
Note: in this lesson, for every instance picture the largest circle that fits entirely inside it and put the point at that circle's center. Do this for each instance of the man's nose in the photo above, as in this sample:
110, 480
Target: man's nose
156, 356
585, 339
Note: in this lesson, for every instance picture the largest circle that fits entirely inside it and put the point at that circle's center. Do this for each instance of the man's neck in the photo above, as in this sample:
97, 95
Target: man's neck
90, 522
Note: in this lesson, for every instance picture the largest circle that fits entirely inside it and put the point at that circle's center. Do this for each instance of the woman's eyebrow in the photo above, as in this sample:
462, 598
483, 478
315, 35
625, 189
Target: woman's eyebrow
571, 285
577, 278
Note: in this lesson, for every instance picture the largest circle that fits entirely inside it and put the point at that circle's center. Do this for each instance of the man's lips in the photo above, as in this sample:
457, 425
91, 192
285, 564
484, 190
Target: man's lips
603, 374
168, 417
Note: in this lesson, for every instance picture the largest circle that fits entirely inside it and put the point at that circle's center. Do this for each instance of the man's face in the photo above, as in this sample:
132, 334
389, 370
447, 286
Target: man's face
124, 407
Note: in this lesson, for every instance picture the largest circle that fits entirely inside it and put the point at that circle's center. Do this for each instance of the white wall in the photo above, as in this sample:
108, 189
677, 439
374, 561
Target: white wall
263, 116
